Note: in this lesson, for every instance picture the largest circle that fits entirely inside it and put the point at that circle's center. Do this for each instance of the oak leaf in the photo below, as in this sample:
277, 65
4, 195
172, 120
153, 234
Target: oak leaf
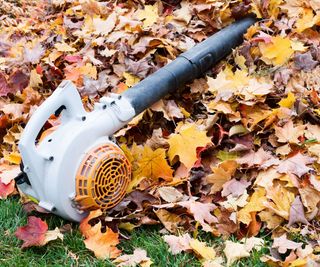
169, 220
185, 143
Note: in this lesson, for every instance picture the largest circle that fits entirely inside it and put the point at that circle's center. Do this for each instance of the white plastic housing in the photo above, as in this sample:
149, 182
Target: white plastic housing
51, 166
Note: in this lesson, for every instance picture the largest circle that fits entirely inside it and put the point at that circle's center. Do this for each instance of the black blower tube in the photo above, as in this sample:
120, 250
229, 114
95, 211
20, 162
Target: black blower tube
187, 66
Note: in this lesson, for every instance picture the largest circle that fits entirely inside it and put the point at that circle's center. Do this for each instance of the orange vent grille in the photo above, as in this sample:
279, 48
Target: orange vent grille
102, 178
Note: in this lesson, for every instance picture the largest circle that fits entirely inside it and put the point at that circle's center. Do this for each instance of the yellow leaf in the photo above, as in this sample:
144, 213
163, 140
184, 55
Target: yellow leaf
153, 165
130, 79
202, 250
278, 52
185, 143
89, 70
288, 101
221, 175
13, 157
149, 15
281, 200
235, 251
307, 20
240, 61
35, 79
256, 203
63, 47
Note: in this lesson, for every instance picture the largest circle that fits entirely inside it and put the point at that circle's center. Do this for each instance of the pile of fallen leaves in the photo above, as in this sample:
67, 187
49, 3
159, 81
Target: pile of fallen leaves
236, 152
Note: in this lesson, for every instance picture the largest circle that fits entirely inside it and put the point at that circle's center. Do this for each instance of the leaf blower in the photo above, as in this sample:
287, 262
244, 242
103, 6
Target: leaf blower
79, 167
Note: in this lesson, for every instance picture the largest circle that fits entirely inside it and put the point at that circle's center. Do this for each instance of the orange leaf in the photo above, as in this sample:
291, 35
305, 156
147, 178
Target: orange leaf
103, 245
85, 227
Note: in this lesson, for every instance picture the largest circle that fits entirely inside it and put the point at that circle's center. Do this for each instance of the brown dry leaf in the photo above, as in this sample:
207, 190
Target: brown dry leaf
310, 198
170, 194
185, 142
221, 174
169, 220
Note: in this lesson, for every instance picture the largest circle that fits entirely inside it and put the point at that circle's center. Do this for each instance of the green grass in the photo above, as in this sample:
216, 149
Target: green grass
72, 252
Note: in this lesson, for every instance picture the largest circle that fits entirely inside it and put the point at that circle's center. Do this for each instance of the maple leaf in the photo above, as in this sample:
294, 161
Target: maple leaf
310, 197
252, 158
85, 228
104, 244
221, 175
36, 233
281, 199
152, 164
256, 203
235, 251
296, 164
297, 212
149, 15
169, 220
201, 250
288, 133
139, 257
185, 143
201, 213
282, 244
5, 89
6, 189
277, 52
178, 244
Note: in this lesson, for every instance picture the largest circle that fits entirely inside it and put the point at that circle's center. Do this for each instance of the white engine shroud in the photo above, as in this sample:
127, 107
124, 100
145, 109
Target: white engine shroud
51, 166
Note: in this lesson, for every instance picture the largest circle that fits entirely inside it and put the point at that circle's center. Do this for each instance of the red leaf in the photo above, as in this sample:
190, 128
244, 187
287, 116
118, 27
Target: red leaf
6, 189
4, 86
33, 234
18, 81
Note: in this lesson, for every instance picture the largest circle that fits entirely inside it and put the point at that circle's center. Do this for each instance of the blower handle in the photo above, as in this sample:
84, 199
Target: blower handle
187, 66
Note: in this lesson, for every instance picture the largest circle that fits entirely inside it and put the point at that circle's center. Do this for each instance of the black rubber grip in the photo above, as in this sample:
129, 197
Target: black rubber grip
187, 66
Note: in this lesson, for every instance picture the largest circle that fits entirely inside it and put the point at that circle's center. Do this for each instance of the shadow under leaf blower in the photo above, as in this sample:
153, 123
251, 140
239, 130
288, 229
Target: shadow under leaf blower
78, 167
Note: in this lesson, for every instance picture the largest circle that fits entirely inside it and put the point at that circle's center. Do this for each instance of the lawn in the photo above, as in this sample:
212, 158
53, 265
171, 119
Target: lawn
72, 252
